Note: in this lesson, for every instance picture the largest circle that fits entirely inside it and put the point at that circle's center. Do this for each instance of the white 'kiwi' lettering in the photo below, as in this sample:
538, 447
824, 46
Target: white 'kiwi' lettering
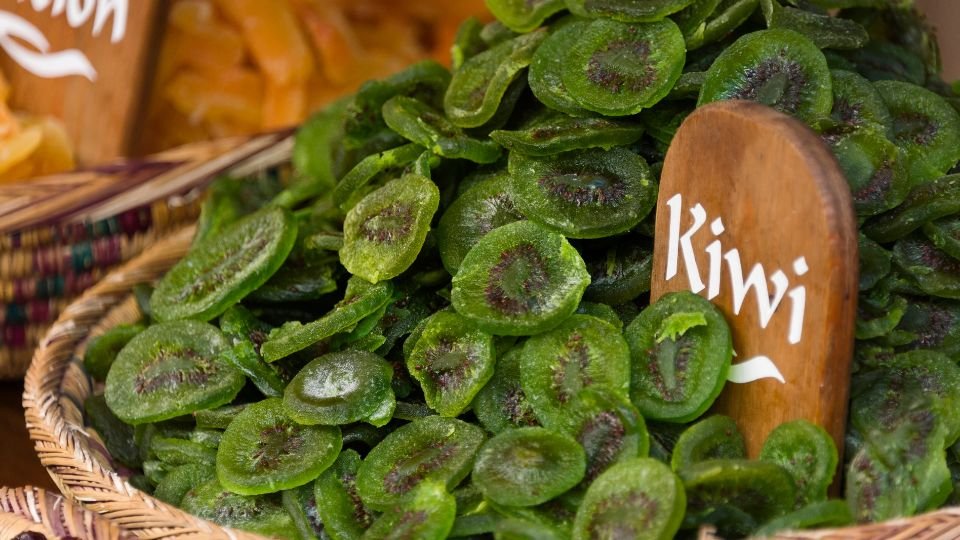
680, 245
28, 47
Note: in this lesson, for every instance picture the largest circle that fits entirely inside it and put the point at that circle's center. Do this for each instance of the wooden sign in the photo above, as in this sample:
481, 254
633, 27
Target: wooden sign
755, 215
84, 61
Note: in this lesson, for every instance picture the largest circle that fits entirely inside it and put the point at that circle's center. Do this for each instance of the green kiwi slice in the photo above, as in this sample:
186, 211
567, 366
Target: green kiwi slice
478, 87
945, 235
245, 334
929, 324
552, 133
452, 361
692, 20
619, 273
175, 485
339, 388
117, 436
479, 210
639, 498
875, 169
925, 126
935, 272
427, 514
171, 369
264, 451
301, 504
502, 404
585, 193
547, 64
634, 11
221, 271
925, 203
467, 43
714, 437
727, 17
384, 232
777, 67
103, 349
345, 195
681, 351
858, 104
298, 281
608, 427
175, 451
420, 123
314, 154
263, 514
875, 262
875, 490
524, 15
582, 352
808, 453
824, 30
339, 506
757, 491
431, 448
617, 69
820, 514
519, 279
217, 418
528, 466
361, 299
878, 314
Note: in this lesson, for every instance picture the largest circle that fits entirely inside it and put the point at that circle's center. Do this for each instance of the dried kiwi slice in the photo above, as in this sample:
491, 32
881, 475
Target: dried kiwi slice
427, 514
681, 351
552, 133
264, 451
547, 64
418, 122
263, 514
431, 448
343, 514
924, 203
935, 272
929, 324
945, 235
779, 68
519, 279
182, 479
467, 43
608, 427
339, 388
617, 68
639, 498
356, 180
117, 436
633, 11
478, 87
585, 193
245, 334
479, 210
452, 361
875, 169
502, 404
103, 349
858, 104
301, 504
822, 514
524, 15
528, 466
171, 369
754, 490
925, 126
219, 272
384, 232
619, 273
808, 453
728, 16
715, 437
826, 31
875, 490
582, 352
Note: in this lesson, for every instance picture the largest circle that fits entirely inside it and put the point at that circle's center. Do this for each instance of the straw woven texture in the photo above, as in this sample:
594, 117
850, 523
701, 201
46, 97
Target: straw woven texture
35, 510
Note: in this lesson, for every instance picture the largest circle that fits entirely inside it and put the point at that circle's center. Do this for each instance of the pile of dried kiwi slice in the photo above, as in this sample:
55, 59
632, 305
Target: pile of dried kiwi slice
436, 323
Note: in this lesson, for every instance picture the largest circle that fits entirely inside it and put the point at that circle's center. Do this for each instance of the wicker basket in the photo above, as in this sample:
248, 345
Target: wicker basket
30, 509
60, 234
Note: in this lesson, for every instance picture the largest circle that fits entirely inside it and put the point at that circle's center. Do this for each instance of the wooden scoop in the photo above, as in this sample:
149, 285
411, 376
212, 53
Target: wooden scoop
754, 214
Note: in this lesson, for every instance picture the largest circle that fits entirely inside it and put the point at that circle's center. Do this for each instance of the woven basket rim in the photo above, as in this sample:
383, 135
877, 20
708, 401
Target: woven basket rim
34, 509
68, 452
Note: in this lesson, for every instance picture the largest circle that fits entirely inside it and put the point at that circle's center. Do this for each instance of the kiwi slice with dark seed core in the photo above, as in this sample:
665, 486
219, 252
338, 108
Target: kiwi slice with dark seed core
875, 169
220, 272
339, 506
477, 211
528, 466
361, 299
452, 361
874, 489
339, 388
547, 64
639, 498
779, 68
431, 448
634, 11
681, 351
477, 88
385, 231
422, 124
945, 235
552, 133
929, 324
935, 272
584, 193
925, 203
519, 279
617, 68
758, 489
808, 453
103, 349
502, 404
857, 103
169, 370
524, 15
369, 168
582, 352
263, 514
427, 514
714, 437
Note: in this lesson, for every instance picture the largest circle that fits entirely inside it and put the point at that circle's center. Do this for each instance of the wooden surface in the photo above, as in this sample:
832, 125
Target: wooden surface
781, 196
101, 115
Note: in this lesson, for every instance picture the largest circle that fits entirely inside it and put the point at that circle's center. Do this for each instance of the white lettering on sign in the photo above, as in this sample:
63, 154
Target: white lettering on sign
680, 245
36, 56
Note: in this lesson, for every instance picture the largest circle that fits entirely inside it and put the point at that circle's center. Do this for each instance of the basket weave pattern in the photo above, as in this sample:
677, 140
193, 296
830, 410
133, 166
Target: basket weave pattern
35, 510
